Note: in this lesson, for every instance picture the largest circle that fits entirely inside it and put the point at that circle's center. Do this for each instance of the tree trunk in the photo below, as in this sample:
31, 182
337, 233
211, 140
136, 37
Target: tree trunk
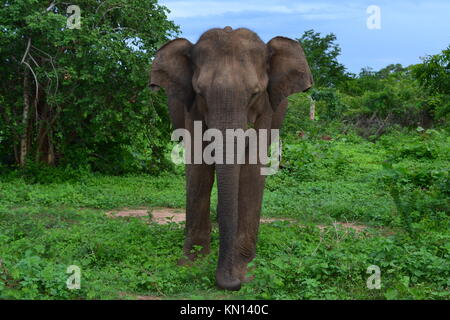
44, 148
312, 109
25, 118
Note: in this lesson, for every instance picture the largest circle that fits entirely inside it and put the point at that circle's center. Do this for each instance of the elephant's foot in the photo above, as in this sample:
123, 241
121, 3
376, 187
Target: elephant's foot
226, 282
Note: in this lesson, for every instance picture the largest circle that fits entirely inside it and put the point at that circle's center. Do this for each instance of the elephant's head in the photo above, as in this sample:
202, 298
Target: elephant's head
232, 78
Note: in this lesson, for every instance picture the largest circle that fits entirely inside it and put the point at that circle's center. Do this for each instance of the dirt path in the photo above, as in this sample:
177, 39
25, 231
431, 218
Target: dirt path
168, 215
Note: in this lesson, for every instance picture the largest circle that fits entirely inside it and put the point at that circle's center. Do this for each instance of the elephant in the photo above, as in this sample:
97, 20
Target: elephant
229, 79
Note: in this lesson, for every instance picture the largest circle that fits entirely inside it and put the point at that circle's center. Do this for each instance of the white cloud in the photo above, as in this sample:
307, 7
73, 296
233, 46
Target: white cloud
312, 11
188, 9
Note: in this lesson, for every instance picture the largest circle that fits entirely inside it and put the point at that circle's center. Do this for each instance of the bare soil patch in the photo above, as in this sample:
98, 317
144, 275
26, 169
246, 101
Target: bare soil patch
166, 215
343, 226
128, 213
158, 215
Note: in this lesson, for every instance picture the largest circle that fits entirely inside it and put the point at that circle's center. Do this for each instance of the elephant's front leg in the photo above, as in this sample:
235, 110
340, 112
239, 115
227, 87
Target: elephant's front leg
199, 182
251, 187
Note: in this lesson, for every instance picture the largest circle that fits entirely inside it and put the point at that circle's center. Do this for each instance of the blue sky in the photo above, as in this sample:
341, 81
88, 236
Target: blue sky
409, 28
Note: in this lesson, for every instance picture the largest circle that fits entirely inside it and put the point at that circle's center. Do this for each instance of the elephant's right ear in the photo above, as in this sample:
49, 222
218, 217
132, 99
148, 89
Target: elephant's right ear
172, 70
289, 71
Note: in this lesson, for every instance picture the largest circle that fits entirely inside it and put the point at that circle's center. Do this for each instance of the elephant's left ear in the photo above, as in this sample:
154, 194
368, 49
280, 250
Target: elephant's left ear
288, 70
172, 70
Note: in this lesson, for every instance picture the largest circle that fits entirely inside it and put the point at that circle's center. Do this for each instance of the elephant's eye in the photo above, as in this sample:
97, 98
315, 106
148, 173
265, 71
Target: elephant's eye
256, 91
254, 95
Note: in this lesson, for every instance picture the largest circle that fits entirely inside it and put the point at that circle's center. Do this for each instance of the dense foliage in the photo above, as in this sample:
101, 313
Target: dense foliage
78, 97
374, 102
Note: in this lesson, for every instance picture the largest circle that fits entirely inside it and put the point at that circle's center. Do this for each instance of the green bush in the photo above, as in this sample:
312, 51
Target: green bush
419, 187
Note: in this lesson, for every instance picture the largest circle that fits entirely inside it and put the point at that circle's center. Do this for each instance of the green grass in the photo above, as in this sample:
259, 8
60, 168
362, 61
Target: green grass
46, 227
103, 192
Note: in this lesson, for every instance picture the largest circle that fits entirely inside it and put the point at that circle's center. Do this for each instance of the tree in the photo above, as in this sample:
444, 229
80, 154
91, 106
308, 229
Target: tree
322, 54
80, 96
370, 80
389, 70
434, 72
382, 98
433, 75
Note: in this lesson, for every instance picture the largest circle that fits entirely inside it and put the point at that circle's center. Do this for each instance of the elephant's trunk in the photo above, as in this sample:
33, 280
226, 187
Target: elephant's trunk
227, 214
